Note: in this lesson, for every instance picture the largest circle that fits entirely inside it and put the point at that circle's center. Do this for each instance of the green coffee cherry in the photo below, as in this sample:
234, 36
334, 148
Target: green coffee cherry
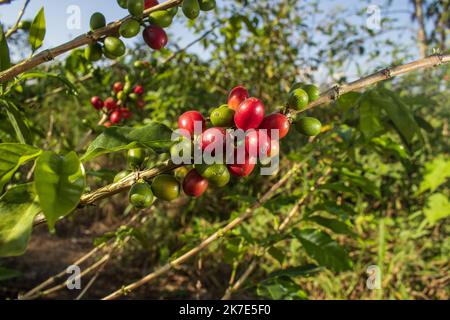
140, 195
222, 116
173, 11
216, 174
136, 157
312, 91
127, 86
121, 96
130, 28
191, 9
123, 3
207, 5
298, 99
114, 46
97, 21
93, 52
166, 187
308, 126
161, 18
121, 175
136, 7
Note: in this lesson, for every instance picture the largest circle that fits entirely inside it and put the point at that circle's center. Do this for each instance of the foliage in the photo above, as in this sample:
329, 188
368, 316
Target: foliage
384, 202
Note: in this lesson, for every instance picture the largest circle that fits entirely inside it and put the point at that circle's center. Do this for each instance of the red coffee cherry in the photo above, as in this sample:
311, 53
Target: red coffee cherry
213, 136
187, 120
276, 121
194, 185
242, 170
115, 117
107, 124
117, 87
155, 37
257, 142
150, 3
237, 96
138, 90
250, 114
110, 103
125, 113
97, 102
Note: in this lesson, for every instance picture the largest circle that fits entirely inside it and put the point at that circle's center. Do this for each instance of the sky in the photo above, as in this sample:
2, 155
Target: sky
58, 13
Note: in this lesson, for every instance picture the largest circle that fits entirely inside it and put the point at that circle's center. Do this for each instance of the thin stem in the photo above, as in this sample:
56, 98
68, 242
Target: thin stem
19, 18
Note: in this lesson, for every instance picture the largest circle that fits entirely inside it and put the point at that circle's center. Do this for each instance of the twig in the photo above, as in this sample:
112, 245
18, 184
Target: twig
19, 18
205, 243
333, 93
84, 39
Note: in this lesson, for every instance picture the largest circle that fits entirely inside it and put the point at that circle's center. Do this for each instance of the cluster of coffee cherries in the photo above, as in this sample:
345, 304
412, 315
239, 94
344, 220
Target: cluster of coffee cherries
117, 106
241, 112
154, 35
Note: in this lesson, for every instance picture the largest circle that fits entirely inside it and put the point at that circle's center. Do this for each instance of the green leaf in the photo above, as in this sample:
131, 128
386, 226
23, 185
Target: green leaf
154, 135
322, 248
292, 272
348, 100
6, 274
365, 184
12, 156
437, 208
60, 182
369, 119
5, 61
400, 115
333, 208
336, 186
37, 30
280, 288
113, 139
334, 225
71, 88
391, 147
18, 207
436, 173
277, 254
17, 121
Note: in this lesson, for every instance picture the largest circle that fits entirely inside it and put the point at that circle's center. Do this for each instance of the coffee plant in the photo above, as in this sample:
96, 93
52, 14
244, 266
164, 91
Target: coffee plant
258, 170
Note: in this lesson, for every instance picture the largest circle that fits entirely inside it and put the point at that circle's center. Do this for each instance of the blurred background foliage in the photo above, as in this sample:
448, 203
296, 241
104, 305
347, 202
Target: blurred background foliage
385, 202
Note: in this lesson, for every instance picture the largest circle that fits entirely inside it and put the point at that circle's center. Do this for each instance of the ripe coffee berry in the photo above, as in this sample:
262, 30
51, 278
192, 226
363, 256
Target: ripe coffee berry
107, 124
188, 119
155, 37
115, 117
125, 113
237, 96
138, 90
257, 143
243, 169
110, 103
117, 87
276, 121
214, 137
150, 3
194, 184
250, 114
97, 102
